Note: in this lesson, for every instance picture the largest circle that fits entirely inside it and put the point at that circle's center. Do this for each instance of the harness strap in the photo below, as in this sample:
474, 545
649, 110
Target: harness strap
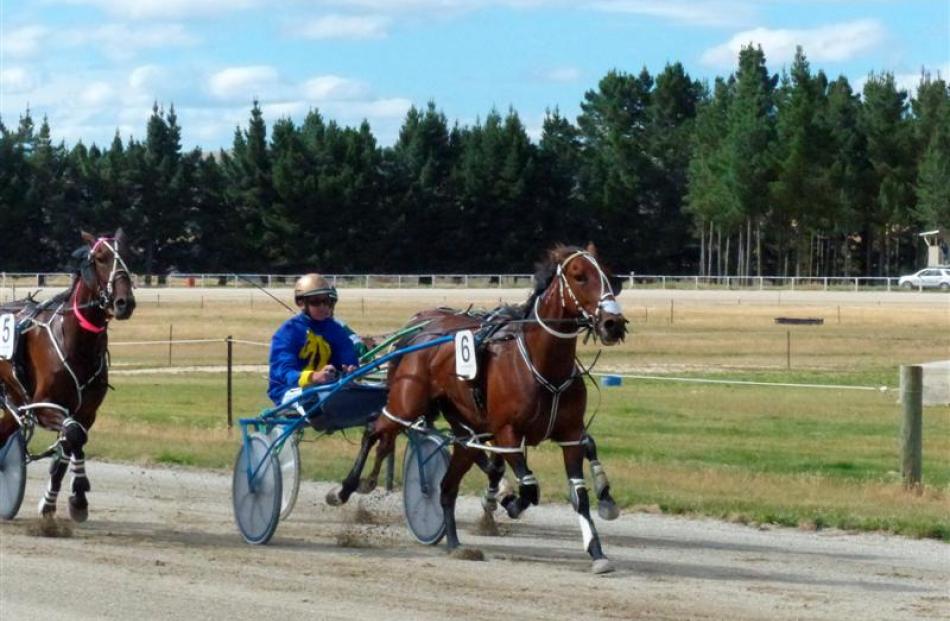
84, 323
48, 327
554, 390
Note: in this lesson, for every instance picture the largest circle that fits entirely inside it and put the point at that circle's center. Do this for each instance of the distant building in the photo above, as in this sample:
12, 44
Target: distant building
938, 248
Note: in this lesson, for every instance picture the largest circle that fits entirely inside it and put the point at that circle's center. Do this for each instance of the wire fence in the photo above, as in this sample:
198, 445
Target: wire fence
28, 280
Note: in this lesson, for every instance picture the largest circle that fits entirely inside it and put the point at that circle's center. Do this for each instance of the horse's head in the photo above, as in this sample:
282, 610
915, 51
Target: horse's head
105, 274
585, 289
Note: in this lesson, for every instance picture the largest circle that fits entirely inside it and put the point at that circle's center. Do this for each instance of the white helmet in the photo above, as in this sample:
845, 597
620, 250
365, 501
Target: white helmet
310, 285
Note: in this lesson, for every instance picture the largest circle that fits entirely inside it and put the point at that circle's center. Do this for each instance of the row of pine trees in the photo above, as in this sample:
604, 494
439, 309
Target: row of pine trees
755, 174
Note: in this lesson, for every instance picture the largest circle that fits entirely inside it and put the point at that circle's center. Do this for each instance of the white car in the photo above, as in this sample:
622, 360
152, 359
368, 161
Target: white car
927, 278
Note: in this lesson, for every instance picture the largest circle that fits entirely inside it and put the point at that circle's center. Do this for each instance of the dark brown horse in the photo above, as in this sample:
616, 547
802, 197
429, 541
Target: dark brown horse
528, 388
59, 376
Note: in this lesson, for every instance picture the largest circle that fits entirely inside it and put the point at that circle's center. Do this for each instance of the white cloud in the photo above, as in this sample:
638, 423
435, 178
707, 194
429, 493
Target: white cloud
167, 9
16, 80
332, 87
395, 107
121, 41
342, 27
23, 42
243, 83
705, 13
908, 81
834, 43
96, 94
283, 109
148, 78
564, 75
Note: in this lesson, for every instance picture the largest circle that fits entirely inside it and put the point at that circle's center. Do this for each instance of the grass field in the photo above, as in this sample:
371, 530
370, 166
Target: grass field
807, 457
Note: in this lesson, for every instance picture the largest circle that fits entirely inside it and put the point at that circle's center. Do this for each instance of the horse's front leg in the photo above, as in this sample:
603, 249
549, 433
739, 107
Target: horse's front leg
574, 465
493, 466
52, 418
77, 436
57, 470
606, 506
529, 492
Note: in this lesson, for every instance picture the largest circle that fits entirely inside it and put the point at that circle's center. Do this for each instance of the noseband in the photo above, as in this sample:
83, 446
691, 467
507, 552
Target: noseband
106, 289
605, 303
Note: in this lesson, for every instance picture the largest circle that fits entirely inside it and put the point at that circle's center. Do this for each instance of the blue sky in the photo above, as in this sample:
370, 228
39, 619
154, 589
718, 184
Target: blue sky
94, 66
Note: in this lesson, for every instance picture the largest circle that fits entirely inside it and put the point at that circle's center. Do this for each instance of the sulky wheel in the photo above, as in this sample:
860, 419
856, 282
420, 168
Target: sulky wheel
422, 486
288, 458
256, 503
12, 475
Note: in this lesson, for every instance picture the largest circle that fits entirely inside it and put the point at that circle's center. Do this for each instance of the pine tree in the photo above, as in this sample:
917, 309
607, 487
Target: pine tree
933, 180
890, 152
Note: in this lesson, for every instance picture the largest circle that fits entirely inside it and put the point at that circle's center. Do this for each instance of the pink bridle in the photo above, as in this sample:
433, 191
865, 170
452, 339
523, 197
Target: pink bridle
117, 261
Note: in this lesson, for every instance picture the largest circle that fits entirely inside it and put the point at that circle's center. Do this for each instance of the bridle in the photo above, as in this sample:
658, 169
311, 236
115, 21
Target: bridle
106, 289
606, 303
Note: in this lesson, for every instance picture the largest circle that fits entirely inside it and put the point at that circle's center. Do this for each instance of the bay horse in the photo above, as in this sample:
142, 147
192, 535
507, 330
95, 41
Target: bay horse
59, 375
528, 389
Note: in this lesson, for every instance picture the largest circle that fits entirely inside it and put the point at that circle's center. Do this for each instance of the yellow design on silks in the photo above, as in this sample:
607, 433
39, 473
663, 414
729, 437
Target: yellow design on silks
317, 353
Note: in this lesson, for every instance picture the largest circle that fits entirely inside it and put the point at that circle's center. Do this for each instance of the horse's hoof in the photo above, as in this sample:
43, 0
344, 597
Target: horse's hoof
46, 510
333, 497
601, 566
366, 486
608, 510
510, 503
78, 514
489, 503
466, 554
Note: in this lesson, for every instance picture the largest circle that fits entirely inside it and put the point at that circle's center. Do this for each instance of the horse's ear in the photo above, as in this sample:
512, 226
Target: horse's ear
616, 284
591, 248
89, 238
120, 237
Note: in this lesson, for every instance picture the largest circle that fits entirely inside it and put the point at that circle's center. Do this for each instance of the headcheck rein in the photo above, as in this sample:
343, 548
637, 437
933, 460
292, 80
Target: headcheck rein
606, 303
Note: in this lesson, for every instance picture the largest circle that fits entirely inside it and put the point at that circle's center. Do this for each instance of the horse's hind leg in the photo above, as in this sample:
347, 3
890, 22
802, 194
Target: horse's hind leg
460, 463
340, 495
574, 465
606, 506
385, 448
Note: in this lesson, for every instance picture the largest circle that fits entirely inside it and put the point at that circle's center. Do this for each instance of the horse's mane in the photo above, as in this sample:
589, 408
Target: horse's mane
30, 301
545, 269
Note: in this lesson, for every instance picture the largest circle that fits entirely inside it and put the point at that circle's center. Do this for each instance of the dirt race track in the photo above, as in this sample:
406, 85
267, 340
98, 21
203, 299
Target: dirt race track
161, 543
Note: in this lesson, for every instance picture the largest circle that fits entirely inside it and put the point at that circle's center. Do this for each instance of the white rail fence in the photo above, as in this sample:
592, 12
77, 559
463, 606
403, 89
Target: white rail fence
27, 280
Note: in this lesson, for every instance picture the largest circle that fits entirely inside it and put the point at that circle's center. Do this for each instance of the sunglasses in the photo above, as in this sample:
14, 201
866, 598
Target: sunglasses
319, 301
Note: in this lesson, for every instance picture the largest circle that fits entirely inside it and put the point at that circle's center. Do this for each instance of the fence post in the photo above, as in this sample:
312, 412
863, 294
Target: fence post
230, 343
912, 396
170, 344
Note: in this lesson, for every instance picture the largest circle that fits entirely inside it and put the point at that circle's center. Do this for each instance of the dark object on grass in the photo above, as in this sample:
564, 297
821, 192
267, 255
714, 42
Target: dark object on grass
800, 321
